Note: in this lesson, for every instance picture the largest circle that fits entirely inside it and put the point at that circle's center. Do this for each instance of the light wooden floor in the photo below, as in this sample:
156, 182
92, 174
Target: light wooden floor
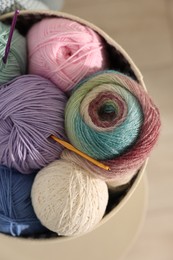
145, 29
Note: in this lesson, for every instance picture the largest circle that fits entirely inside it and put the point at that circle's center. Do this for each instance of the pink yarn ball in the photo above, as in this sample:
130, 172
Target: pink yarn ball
64, 51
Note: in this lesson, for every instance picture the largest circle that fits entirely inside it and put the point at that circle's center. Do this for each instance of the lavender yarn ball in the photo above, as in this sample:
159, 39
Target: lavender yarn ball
17, 217
31, 109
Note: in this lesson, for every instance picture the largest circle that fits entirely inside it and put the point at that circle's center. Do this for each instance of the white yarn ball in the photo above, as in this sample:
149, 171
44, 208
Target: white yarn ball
67, 199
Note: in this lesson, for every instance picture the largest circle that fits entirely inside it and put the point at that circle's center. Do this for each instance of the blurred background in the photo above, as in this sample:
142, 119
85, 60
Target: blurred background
144, 28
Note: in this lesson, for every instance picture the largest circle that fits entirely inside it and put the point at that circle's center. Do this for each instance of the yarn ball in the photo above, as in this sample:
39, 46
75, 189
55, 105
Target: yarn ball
7, 6
111, 118
67, 199
17, 58
31, 109
17, 216
64, 51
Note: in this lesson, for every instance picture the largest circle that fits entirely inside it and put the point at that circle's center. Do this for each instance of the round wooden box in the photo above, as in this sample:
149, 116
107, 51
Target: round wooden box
118, 229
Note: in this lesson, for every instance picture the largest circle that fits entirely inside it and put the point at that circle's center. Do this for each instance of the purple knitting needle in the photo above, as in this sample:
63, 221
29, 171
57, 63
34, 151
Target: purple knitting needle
7, 49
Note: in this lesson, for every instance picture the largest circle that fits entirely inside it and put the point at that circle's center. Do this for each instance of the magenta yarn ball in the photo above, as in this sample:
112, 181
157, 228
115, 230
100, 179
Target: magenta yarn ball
65, 51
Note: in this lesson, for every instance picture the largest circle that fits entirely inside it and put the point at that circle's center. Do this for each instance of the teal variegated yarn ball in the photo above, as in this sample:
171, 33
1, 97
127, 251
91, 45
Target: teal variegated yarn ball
111, 117
17, 59
103, 118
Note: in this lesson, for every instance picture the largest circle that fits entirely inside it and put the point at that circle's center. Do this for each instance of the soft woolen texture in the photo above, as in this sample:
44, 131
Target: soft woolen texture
111, 118
64, 51
17, 217
54, 4
7, 6
67, 199
31, 109
17, 58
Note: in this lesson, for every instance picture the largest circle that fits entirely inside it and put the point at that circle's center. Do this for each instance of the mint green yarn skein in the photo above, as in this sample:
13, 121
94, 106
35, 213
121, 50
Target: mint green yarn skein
17, 58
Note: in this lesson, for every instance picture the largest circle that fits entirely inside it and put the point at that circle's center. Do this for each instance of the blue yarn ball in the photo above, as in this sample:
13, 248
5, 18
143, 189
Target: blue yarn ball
17, 217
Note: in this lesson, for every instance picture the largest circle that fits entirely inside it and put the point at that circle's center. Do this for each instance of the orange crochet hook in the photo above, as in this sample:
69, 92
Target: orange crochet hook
72, 148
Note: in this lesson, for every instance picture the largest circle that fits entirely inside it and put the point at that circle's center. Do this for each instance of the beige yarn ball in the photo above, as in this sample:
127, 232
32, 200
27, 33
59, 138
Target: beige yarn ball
67, 199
